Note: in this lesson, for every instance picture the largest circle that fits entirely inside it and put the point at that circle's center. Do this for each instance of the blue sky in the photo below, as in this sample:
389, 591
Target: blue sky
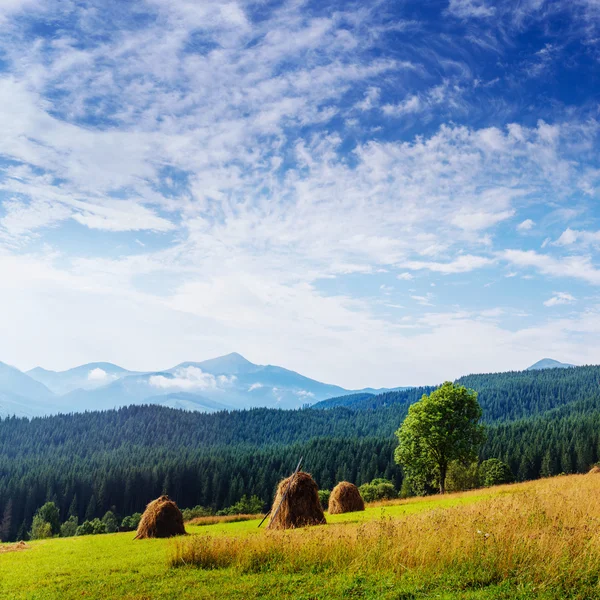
383, 193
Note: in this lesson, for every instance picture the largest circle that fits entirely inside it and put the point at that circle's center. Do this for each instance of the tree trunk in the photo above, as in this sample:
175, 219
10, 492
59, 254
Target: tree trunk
443, 469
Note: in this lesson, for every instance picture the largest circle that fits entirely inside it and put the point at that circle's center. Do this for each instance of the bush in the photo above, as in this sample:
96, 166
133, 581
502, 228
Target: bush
131, 523
194, 513
378, 489
98, 526
40, 529
324, 498
85, 528
462, 477
91, 527
110, 522
245, 506
494, 472
69, 527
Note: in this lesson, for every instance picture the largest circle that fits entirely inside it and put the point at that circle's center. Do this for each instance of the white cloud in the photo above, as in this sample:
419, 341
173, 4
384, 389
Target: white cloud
525, 225
559, 298
405, 276
370, 100
471, 9
424, 300
573, 236
190, 378
255, 386
462, 264
578, 267
410, 105
98, 375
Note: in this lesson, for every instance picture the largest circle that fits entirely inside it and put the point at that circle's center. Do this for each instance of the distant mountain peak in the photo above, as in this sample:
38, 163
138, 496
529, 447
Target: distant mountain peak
232, 363
548, 363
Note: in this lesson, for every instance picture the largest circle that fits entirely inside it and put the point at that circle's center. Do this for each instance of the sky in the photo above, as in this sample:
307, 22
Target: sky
376, 193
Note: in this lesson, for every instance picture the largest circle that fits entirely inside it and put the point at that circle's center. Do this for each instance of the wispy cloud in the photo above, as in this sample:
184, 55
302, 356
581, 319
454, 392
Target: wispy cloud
236, 170
559, 298
578, 267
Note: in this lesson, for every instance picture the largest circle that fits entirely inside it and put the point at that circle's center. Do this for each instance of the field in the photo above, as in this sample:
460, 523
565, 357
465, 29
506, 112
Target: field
533, 540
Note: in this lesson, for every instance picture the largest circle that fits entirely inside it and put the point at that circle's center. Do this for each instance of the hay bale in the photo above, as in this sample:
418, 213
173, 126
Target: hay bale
345, 498
161, 519
594, 470
300, 507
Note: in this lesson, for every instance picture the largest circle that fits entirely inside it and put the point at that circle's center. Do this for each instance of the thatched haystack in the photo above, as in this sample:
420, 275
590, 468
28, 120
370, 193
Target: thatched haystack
594, 470
300, 506
161, 519
344, 498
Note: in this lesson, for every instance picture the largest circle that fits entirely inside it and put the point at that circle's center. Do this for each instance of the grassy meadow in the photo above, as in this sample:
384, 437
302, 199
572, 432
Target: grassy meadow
533, 540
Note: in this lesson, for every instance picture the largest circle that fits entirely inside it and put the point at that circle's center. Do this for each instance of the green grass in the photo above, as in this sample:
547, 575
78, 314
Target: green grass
117, 566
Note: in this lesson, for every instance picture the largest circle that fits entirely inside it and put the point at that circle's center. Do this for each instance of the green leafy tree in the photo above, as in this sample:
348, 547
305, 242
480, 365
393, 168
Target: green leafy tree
494, 472
111, 522
49, 514
69, 527
40, 529
462, 476
439, 429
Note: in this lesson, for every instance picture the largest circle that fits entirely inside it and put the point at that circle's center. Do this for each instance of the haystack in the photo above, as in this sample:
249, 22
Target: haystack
161, 519
297, 503
344, 498
594, 470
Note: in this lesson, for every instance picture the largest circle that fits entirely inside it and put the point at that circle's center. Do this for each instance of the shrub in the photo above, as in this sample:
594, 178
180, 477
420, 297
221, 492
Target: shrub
91, 528
245, 506
110, 522
324, 498
494, 472
98, 526
462, 476
196, 512
378, 489
85, 528
131, 523
69, 527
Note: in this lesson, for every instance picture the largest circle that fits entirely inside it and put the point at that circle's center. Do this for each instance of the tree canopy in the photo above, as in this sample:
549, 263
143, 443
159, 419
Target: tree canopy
440, 428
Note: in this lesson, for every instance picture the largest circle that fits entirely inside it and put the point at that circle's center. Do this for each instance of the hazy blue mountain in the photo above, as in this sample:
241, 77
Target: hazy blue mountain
231, 364
14, 381
87, 377
225, 382
19, 406
548, 363
23, 396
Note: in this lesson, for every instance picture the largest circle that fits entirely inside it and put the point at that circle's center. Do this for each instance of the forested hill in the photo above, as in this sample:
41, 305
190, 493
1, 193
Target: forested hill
542, 423
503, 396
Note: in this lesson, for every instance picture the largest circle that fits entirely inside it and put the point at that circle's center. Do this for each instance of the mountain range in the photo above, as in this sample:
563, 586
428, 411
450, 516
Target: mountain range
224, 383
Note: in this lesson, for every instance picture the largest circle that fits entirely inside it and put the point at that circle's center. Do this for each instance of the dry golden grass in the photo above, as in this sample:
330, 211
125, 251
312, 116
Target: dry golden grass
544, 533
214, 520
18, 547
